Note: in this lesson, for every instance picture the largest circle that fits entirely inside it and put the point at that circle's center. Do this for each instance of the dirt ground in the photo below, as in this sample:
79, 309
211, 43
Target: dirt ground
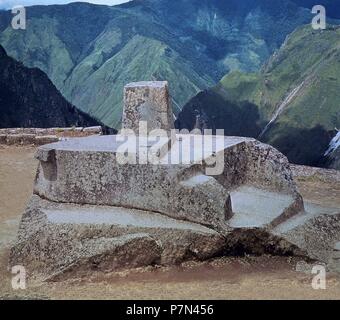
224, 278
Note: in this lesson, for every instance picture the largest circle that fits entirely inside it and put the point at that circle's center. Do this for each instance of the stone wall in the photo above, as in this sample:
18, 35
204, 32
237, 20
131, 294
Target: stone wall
41, 136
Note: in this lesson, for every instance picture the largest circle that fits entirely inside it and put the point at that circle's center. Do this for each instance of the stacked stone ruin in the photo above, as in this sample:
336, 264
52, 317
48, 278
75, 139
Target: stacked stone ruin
90, 212
41, 136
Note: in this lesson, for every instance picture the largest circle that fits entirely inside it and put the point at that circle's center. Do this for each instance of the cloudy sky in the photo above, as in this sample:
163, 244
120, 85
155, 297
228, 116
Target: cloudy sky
5, 4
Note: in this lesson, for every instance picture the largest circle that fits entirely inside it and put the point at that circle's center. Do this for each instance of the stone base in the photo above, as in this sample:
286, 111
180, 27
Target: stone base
56, 241
55, 238
89, 212
316, 232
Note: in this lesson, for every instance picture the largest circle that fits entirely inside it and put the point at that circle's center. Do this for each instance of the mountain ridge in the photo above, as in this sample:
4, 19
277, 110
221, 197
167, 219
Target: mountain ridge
200, 40
29, 99
295, 97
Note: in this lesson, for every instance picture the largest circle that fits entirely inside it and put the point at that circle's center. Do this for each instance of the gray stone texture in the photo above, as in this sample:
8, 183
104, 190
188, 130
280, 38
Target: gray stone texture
147, 101
3, 138
74, 172
54, 238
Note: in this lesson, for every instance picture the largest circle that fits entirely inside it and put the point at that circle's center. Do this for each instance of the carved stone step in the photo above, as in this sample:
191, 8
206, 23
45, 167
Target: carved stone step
253, 207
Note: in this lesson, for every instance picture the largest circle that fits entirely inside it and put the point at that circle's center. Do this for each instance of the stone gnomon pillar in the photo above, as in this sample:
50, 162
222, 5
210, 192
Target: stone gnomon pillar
150, 102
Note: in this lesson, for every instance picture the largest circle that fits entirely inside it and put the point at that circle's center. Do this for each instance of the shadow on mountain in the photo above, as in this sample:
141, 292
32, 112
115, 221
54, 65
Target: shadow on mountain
301, 146
29, 99
209, 110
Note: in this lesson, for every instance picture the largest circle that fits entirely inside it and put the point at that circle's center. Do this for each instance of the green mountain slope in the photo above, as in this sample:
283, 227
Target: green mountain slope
90, 52
142, 58
296, 95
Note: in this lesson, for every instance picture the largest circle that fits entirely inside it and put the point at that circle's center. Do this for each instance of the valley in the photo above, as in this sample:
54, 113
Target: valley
90, 52
292, 103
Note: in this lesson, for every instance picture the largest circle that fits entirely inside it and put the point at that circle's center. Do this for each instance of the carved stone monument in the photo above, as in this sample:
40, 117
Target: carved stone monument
97, 206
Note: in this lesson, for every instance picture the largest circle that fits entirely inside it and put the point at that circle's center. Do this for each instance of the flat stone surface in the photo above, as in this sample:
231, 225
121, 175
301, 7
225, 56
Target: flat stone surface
196, 180
119, 216
185, 149
151, 84
189, 148
254, 207
311, 210
337, 246
112, 143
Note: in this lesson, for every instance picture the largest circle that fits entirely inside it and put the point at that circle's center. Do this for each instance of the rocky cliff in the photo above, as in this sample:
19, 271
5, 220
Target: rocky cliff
29, 99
